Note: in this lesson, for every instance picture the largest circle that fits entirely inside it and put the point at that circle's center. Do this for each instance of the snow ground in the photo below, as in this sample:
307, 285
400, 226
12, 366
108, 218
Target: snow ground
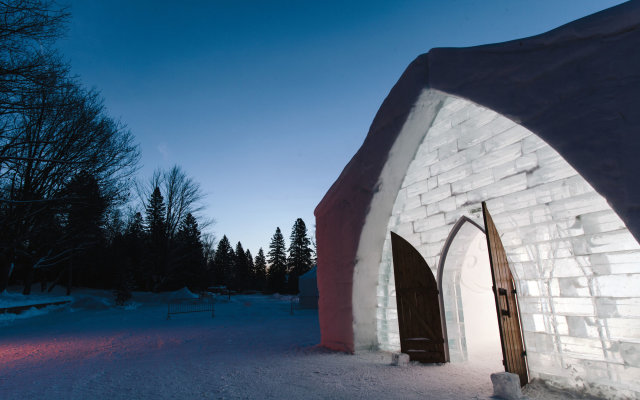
253, 349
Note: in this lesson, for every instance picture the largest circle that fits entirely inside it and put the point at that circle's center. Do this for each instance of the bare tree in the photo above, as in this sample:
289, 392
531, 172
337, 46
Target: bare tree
182, 196
64, 131
27, 29
209, 246
61, 132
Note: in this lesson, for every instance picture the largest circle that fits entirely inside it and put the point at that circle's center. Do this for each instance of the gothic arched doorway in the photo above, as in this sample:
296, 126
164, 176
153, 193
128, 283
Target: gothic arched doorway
464, 278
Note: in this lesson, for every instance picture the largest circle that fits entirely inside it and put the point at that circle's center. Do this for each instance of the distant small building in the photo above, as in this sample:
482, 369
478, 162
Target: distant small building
521, 155
308, 287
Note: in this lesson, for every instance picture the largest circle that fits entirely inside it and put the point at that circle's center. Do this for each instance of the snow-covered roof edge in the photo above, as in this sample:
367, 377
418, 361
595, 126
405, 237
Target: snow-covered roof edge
341, 214
577, 87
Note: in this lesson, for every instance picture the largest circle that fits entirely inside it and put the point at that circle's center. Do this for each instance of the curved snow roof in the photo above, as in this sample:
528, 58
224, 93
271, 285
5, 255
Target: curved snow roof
577, 87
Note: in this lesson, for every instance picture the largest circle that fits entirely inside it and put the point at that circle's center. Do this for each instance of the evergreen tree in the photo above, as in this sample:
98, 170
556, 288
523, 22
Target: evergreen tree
209, 256
157, 251
277, 274
120, 268
135, 227
116, 270
86, 211
190, 265
242, 272
134, 249
124, 271
260, 271
223, 262
86, 207
190, 232
251, 268
300, 254
156, 214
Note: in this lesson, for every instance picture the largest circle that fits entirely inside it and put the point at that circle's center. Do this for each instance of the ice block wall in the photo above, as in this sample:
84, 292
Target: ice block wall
576, 265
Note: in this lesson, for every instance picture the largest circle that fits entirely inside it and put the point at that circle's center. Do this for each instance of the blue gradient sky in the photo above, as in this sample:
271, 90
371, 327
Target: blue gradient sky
264, 102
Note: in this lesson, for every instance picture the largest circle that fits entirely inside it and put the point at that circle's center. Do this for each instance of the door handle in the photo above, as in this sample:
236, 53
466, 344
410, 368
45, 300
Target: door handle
503, 292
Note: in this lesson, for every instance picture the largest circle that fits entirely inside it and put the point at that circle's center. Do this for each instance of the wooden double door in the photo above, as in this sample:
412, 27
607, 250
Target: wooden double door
422, 334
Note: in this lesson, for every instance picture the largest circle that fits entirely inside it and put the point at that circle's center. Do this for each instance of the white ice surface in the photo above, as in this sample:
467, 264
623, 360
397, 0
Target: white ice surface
253, 349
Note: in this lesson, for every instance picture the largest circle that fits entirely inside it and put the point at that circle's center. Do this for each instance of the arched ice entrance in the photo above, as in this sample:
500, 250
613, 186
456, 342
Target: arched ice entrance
466, 297
474, 276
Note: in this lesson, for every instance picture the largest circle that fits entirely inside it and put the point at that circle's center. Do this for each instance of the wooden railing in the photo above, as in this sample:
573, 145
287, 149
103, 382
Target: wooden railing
183, 306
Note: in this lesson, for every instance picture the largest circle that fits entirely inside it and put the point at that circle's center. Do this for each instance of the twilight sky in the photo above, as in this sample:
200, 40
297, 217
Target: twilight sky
264, 102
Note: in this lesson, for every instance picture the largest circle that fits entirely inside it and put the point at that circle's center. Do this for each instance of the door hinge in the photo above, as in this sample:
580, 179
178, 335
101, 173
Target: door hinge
524, 353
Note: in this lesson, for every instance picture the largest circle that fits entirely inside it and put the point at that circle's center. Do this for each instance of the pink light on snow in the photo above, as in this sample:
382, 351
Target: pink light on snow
42, 351
108, 345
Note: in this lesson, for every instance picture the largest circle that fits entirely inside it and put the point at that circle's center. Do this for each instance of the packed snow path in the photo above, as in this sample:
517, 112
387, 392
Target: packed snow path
252, 349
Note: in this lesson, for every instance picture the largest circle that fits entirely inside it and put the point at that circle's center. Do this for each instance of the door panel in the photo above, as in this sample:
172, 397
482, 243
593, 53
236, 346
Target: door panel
513, 351
421, 335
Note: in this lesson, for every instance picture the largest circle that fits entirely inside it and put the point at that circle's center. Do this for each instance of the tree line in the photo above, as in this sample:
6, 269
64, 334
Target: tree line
152, 254
277, 272
71, 212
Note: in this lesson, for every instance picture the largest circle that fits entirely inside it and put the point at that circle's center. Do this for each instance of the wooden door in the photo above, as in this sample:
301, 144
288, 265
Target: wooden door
421, 335
504, 292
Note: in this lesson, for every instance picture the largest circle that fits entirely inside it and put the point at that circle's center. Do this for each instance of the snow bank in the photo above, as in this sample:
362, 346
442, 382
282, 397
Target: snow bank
81, 299
15, 298
7, 318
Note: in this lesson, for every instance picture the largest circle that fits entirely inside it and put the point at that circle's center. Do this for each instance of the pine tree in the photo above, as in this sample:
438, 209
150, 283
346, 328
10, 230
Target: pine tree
134, 243
242, 272
252, 270
277, 274
300, 254
121, 274
260, 268
210, 255
189, 229
135, 227
86, 209
190, 264
158, 241
156, 214
223, 262
86, 212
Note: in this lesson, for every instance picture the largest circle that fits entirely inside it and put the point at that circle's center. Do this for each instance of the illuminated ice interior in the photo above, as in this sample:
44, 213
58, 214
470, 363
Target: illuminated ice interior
576, 266
470, 316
